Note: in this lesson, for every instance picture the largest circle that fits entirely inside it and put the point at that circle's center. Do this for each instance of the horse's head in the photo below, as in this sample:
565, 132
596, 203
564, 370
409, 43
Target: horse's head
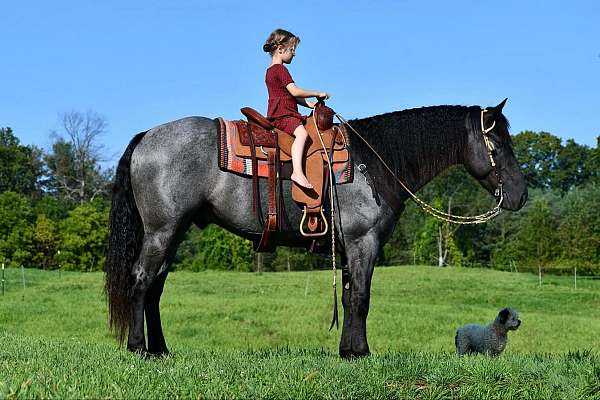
492, 139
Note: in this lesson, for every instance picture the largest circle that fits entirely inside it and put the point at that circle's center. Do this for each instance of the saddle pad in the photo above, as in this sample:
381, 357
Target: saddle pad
230, 162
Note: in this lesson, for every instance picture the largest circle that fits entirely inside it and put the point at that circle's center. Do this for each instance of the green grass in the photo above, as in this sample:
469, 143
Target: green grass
242, 335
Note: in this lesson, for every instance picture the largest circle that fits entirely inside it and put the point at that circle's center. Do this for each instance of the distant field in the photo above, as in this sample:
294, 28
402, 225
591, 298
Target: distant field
251, 335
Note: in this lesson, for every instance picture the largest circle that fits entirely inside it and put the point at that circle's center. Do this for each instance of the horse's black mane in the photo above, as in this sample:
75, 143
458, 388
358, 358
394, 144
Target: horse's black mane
419, 143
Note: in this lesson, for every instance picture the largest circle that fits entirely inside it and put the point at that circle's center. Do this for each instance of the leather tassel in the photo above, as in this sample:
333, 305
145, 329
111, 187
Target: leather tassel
334, 320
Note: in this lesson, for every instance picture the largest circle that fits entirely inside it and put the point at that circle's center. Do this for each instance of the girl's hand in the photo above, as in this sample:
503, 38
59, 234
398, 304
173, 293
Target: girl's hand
323, 96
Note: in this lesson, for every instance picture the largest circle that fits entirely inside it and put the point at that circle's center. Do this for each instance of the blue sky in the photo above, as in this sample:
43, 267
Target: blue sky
142, 63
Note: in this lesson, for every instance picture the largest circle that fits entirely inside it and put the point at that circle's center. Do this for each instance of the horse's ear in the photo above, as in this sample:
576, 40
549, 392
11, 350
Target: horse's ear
499, 107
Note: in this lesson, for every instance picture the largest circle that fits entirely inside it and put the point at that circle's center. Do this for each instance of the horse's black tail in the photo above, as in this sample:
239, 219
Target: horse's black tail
126, 234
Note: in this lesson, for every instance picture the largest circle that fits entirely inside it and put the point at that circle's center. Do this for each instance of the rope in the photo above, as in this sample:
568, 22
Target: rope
454, 219
331, 192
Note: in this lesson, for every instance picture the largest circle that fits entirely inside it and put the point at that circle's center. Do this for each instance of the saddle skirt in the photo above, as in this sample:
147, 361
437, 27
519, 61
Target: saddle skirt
235, 155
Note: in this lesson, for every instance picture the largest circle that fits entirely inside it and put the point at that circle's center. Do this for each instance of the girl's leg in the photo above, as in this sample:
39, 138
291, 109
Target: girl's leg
297, 154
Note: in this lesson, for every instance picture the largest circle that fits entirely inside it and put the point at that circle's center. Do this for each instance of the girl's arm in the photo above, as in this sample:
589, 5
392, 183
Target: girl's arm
303, 102
303, 93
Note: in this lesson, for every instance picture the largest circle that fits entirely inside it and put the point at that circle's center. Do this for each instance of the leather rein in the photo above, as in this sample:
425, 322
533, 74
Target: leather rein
451, 218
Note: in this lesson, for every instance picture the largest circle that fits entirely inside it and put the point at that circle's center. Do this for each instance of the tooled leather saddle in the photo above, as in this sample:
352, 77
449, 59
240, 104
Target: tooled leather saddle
259, 141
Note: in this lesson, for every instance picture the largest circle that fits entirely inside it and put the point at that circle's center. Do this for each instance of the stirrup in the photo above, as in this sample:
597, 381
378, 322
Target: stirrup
315, 234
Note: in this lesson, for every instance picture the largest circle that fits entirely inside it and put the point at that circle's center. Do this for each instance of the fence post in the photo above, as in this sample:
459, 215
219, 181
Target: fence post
540, 274
575, 277
514, 265
306, 286
259, 262
2, 279
23, 275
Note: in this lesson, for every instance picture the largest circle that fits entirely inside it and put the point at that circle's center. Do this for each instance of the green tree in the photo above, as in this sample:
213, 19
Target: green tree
594, 162
497, 239
45, 243
579, 229
16, 233
299, 259
51, 207
214, 248
83, 236
400, 247
537, 242
573, 167
75, 173
538, 154
425, 245
20, 166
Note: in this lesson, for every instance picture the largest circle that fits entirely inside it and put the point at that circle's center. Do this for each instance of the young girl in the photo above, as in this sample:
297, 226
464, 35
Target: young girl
284, 97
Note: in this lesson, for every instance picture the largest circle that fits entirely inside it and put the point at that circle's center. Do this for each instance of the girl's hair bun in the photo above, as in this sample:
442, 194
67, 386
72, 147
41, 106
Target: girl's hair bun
280, 37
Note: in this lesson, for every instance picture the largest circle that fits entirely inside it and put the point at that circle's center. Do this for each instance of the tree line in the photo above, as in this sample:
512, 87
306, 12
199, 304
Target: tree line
54, 207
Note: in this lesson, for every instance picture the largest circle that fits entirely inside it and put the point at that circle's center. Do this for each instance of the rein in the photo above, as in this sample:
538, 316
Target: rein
334, 320
454, 219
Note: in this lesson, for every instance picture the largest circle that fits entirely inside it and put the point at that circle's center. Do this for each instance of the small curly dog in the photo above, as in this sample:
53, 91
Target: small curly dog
487, 339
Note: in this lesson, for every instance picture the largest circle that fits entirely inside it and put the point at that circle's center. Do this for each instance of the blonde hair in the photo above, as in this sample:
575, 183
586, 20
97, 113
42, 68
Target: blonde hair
280, 37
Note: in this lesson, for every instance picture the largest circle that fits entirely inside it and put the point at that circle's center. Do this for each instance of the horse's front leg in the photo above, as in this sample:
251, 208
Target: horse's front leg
356, 295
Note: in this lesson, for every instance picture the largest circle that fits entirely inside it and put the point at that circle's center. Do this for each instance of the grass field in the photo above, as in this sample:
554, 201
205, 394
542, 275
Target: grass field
242, 335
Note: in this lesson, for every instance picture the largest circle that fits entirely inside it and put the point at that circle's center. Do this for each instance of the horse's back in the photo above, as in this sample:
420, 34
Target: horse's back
183, 132
170, 162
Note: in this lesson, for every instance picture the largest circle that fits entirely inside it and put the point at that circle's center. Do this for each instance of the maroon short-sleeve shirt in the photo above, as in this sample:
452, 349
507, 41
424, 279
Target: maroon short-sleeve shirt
282, 105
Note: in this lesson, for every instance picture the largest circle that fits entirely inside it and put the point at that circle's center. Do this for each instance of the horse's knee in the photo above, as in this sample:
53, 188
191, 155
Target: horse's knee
360, 303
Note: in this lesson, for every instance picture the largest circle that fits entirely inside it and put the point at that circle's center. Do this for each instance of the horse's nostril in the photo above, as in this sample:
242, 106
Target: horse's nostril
523, 199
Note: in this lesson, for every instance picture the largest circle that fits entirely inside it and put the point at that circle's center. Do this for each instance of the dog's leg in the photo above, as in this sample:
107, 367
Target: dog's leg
461, 343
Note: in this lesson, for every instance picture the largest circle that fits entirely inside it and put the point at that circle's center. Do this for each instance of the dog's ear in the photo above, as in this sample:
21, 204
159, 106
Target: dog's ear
503, 315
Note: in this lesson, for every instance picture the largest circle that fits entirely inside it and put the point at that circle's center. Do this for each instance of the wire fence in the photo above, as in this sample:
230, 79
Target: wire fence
21, 278
18, 279
545, 274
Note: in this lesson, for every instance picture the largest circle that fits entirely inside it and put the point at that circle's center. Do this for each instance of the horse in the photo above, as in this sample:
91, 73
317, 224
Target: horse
168, 178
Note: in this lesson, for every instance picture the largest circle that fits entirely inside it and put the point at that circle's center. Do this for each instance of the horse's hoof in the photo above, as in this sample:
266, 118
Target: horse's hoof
141, 350
160, 354
348, 354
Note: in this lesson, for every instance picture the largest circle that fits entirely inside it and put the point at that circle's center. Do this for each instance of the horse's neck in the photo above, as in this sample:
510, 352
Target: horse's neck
435, 170
432, 166
419, 154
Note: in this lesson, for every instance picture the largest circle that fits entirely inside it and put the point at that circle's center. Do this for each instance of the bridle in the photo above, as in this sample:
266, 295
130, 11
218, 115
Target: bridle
451, 218
490, 149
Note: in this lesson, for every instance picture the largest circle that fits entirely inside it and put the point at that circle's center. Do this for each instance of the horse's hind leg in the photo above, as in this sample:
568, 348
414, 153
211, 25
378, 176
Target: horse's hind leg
152, 257
156, 340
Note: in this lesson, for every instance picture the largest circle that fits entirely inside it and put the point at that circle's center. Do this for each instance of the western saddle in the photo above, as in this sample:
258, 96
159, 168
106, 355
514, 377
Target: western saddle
260, 140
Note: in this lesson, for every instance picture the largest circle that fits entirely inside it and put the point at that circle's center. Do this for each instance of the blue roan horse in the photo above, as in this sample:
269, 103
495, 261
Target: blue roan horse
169, 178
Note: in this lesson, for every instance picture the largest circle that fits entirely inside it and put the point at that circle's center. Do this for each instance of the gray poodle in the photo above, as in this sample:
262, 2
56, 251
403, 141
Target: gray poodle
487, 339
